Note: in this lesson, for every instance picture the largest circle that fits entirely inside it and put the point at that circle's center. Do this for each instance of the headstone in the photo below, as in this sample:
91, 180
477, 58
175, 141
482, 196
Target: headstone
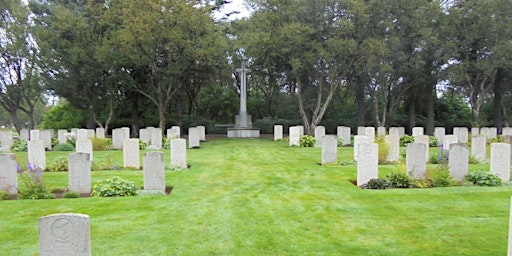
370, 133
202, 132
91, 133
173, 133
479, 148
193, 137
393, 142
126, 133
24, 134
415, 160
450, 139
367, 169
359, 140
294, 136
34, 135
319, 135
144, 136
439, 133
394, 131
381, 131
278, 132
118, 137
458, 162
64, 234
179, 153
150, 129
361, 130
74, 131
462, 134
62, 136
485, 131
329, 149
507, 139
79, 172
475, 131
493, 132
8, 173
178, 131
506, 131
81, 134
154, 171
401, 131
424, 139
500, 160
100, 133
36, 154
46, 137
84, 146
5, 139
301, 130
417, 131
131, 153
156, 138
343, 133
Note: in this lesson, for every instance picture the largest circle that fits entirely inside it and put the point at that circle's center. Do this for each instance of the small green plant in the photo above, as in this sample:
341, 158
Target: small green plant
59, 165
406, 139
3, 195
347, 162
441, 177
473, 160
71, 139
307, 141
376, 184
142, 145
34, 187
484, 179
398, 179
19, 146
63, 147
433, 142
340, 142
114, 187
101, 144
71, 194
166, 143
174, 168
422, 184
383, 150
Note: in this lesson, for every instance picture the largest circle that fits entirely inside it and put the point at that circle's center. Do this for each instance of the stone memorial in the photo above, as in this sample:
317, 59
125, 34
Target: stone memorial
84, 146
479, 148
425, 140
368, 167
485, 131
64, 234
179, 153
173, 133
100, 133
202, 132
193, 138
81, 134
393, 142
131, 153
370, 133
417, 131
62, 136
361, 130
439, 133
34, 135
415, 160
46, 137
475, 131
278, 132
358, 140
394, 131
6, 139
177, 130
458, 162
450, 139
144, 136
381, 131
24, 134
36, 154
156, 138
8, 173
126, 133
118, 137
91, 133
319, 135
343, 133
462, 134
493, 132
79, 172
154, 171
74, 131
329, 149
506, 131
294, 136
500, 160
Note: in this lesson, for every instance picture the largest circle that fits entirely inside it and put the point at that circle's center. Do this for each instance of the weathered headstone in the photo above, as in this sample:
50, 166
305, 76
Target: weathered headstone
79, 172
394, 131
74, 131
46, 137
359, 140
393, 143
506, 131
36, 154
417, 131
154, 171
367, 167
294, 136
193, 137
64, 234
84, 146
24, 134
100, 133
62, 136
173, 133
126, 133
479, 148
370, 133
401, 131
144, 136
8, 173
178, 131
301, 130
458, 162
278, 132
179, 153
118, 137
34, 135
91, 133
439, 133
450, 139
202, 132
343, 133
424, 139
475, 131
131, 153
319, 135
81, 134
415, 160
381, 131
462, 134
156, 138
5, 139
361, 130
493, 132
329, 149
485, 131
500, 160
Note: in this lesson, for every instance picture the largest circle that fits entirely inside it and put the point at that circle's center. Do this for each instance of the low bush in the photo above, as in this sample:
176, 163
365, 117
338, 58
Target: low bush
399, 180
484, 179
433, 142
64, 147
406, 139
19, 146
376, 184
3, 195
59, 165
307, 141
114, 187
383, 150
441, 177
71, 194
34, 187
142, 145
101, 144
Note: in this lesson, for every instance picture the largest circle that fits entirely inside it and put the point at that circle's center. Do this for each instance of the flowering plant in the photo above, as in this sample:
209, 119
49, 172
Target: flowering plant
34, 187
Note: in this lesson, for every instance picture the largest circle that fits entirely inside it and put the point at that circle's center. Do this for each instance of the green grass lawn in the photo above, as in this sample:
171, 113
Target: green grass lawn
259, 197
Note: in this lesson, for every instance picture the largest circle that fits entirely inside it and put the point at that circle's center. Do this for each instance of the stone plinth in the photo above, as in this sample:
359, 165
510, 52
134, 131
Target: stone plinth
243, 133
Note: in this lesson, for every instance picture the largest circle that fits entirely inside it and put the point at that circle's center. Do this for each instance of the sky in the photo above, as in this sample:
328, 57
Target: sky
235, 5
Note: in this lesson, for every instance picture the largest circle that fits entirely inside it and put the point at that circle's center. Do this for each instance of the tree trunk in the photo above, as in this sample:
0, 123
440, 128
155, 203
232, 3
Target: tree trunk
135, 114
360, 105
411, 111
498, 100
431, 93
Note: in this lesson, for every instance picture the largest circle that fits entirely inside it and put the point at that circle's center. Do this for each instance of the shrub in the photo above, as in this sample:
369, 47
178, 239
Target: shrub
71, 194
3, 195
101, 144
433, 142
166, 144
422, 184
307, 141
484, 179
399, 180
376, 184
59, 165
441, 177
19, 146
63, 147
473, 160
383, 150
114, 187
142, 145
34, 187
340, 142
406, 139
71, 139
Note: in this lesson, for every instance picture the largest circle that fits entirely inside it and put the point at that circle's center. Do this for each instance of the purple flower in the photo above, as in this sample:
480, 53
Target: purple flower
18, 168
30, 167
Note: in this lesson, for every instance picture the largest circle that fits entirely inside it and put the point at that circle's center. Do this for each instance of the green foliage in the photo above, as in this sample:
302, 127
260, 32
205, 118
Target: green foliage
406, 139
433, 142
71, 194
473, 160
422, 184
59, 165
63, 116
398, 179
3, 195
114, 187
347, 162
441, 177
383, 150
376, 184
19, 146
71, 140
33, 185
307, 141
494, 140
484, 179
166, 143
340, 142
63, 147
142, 145
101, 144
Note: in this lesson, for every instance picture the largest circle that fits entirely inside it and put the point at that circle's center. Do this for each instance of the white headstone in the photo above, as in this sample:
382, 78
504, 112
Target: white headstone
424, 139
367, 169
381, 131
126, 132
34, 135
202, 132
62, 136
506, 131
370, 133
193, 137
36, 154
439, 133
319, 135
417, 131
450, 139
64, 234
485, 131
81, 134
74, 131
344, 134
278, 132
100, 133
24, 135
301, 130
401, 130
329, 149
361, 130
177, 130
415, 160
358, 140
462, 134
394, 131
46, 137
500, 160
173, 133
5, 139
475, 131
393, 142
479, 148
84, 146
179, 153
156, 138
118, 137
144, 136
8, 174
79, 172
458, 160
493, 132
294, 136
154, 171
91, 133
131, 153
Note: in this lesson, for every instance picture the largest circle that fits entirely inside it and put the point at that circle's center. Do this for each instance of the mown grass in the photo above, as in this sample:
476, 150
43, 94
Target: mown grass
259, 197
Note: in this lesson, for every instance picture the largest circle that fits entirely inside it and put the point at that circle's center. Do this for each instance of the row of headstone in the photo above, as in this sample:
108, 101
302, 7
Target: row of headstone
131, 153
